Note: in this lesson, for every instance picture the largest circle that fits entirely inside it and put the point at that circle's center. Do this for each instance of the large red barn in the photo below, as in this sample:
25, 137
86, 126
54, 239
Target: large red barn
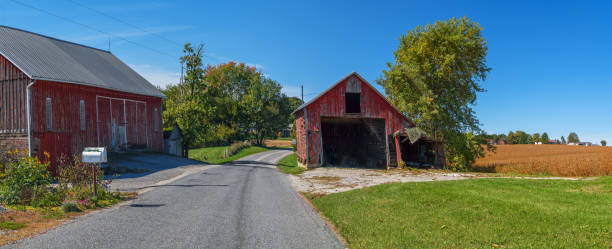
59, 97
352, 124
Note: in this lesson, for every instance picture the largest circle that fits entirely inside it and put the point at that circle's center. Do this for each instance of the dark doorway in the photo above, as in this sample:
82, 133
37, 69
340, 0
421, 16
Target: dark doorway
354, 142
353, 102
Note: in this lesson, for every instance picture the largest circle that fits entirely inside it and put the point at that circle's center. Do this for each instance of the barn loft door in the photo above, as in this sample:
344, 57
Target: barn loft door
352, 96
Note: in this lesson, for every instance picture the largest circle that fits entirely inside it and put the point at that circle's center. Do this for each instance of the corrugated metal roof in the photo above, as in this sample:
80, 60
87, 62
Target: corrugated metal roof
45, 58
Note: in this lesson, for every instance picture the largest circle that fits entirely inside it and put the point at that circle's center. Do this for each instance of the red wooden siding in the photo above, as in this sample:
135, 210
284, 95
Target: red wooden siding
12, 99
332, 104
103, 108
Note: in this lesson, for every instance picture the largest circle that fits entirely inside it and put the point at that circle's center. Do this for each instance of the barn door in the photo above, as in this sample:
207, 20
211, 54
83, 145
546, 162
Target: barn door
118, 121
104, 122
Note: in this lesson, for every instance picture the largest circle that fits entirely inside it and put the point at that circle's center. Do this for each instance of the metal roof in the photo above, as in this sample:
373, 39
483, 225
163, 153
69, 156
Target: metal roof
45, 58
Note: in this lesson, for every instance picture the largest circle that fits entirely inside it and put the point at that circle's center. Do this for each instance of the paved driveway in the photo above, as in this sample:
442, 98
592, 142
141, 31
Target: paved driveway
247, 204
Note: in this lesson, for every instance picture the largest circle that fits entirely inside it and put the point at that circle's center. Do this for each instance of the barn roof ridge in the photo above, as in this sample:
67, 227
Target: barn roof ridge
53, 38
343, 79
42, 57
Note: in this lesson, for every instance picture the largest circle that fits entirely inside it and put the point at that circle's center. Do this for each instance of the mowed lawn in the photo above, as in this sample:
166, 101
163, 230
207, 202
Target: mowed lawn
214, 155
479, 213
289, 165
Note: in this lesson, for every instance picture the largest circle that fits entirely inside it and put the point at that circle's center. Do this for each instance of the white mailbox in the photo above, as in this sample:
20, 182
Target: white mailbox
94, 155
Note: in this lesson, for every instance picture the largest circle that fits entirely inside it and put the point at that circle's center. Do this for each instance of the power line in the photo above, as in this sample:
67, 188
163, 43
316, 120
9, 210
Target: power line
124, 22
92, 28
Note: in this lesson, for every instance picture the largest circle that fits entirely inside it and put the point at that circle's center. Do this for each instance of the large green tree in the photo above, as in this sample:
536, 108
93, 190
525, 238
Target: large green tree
185, 104
545, 139
573, 138
536, 137
435, 79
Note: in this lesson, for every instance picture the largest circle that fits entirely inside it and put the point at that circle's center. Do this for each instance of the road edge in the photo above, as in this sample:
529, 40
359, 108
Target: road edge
331, 226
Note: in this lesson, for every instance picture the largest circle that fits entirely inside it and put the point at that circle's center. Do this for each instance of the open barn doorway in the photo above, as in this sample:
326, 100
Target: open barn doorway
354, 142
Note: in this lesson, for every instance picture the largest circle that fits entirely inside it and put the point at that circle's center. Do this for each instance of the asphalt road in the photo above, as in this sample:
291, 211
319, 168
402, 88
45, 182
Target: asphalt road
247, 204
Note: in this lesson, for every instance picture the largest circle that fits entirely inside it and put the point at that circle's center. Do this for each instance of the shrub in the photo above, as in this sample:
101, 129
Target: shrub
70, 206
235, 148
22, 177
76, 174
46, 197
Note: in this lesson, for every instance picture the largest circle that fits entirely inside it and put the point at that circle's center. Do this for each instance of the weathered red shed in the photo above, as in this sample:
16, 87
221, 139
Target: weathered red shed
350, 124
59, 97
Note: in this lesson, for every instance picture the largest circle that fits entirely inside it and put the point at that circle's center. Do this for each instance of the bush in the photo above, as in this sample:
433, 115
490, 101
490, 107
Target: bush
21, 177
235, 148
45, 197
76, 174
70, 206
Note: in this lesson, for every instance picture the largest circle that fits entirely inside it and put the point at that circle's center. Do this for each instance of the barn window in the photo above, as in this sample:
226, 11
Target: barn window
82, 114
156, 119
353, 102
49, 117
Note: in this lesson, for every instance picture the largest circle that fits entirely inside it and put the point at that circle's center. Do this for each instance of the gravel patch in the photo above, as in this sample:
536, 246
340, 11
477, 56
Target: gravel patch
334, 180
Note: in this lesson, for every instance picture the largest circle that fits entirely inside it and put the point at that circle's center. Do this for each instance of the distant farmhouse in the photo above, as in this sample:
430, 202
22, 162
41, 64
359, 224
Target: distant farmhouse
59, 97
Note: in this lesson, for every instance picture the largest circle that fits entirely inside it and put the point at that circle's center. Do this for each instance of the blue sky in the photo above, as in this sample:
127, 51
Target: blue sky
550, 60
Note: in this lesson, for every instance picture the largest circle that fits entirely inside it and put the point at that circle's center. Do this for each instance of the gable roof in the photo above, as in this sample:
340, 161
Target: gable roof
342, 80
45, 58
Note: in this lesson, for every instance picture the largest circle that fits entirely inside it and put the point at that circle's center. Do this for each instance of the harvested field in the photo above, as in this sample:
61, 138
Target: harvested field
278, 143
548, 159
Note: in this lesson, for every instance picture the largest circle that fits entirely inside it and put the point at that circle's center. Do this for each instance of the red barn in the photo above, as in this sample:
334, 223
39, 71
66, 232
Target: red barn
352, 124
59, 97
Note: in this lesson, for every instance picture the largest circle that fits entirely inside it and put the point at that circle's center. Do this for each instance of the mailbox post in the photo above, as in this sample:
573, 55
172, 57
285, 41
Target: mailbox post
94, 155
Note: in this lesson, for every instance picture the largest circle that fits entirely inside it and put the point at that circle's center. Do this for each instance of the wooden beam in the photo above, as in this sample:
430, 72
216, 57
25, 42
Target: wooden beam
398, 153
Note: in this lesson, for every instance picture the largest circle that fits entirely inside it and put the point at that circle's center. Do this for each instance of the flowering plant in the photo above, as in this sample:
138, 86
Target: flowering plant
20, 177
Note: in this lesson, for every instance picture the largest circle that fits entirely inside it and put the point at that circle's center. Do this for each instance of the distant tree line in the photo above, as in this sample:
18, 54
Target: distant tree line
216, 105
521, 137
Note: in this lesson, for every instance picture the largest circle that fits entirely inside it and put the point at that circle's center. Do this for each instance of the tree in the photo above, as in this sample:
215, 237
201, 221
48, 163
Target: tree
563, 140
536, 137
435, 79
185, 105
573, 138
604, 142
545, 139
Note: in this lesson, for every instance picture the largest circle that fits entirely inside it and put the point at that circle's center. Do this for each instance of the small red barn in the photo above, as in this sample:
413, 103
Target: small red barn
352, 124
59, 97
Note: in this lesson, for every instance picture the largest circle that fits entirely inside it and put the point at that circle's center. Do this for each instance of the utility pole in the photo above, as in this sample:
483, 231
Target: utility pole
109, 38
181, 80
302, 93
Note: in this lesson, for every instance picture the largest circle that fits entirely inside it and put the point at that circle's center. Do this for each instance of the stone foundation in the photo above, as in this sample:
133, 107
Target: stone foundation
13, 141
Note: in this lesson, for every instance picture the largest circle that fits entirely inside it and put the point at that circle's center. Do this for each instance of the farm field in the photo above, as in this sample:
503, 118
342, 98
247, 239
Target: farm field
548, 159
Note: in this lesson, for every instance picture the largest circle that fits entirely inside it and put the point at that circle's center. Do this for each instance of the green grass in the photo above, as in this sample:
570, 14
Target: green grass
11, 225
512, 213
214, 155
289, 165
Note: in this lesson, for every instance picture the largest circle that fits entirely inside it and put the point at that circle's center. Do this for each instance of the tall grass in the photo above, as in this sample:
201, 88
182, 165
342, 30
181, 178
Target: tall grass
548, 159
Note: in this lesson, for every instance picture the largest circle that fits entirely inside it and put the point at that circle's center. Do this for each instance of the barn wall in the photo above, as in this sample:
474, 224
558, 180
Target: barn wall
332, 104
12, 99
300, 138
66, 136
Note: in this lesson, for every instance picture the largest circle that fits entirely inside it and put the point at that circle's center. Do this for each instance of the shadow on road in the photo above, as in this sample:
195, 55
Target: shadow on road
147, 205
186, 185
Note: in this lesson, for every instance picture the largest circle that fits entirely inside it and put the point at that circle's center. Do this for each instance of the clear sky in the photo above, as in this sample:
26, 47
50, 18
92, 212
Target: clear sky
550, 60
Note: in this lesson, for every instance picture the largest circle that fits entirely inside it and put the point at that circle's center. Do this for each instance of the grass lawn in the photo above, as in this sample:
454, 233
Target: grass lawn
480, 213
289, 165
214, 155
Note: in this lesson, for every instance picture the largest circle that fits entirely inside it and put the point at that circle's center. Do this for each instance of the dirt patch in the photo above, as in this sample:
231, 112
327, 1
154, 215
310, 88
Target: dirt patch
334, 180
35, 222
